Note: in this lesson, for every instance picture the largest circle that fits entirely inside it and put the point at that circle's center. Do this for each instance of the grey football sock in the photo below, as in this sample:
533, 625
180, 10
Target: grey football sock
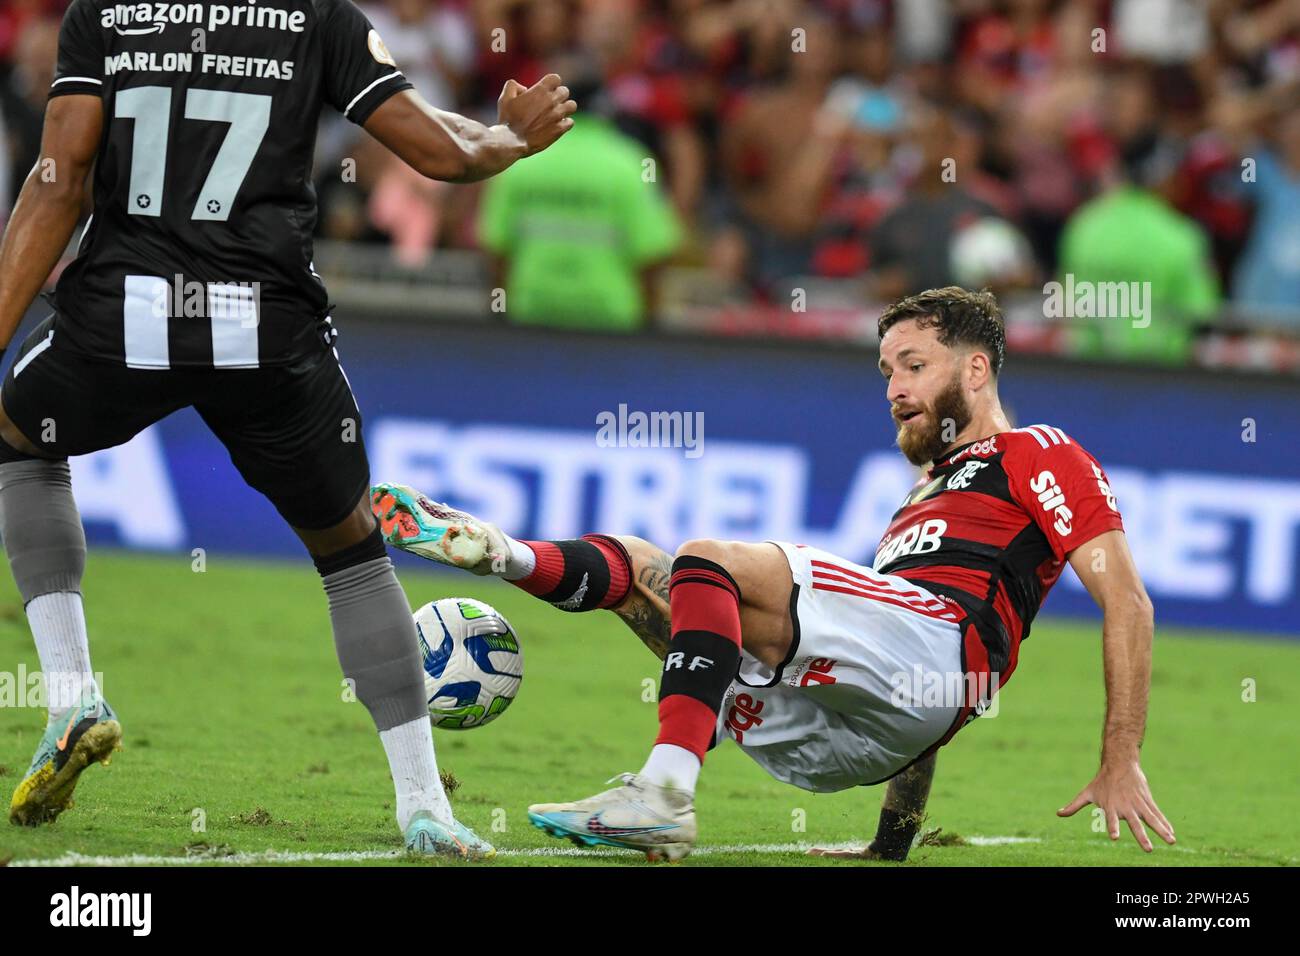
374, 635
41, 527
47, 555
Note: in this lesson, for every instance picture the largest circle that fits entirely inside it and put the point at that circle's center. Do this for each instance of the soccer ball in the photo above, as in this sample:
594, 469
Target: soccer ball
472, 662
989, 251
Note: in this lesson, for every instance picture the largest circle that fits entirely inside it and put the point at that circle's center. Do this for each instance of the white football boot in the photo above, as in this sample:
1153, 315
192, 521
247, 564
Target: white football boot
411, 522
638, 815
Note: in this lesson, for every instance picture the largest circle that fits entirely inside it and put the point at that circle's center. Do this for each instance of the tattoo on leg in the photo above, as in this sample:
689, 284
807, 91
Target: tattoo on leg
647, 613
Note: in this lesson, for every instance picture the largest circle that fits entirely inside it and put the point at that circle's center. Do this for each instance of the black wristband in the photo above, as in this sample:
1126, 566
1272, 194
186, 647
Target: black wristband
894, 835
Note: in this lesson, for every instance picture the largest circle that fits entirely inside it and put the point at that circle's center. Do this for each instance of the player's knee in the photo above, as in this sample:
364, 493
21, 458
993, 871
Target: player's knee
370, 548
710, 549
358, 530
14, 445
641, 553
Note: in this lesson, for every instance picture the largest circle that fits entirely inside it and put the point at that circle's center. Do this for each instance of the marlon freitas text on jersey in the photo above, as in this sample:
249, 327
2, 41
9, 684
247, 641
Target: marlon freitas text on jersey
218, 63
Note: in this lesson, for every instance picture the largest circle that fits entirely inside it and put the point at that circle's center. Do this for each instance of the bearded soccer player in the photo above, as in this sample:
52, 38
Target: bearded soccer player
199, 122
822, 670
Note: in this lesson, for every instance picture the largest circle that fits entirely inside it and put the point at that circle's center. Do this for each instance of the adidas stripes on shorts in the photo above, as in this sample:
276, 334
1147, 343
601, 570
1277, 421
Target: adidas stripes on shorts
868, 686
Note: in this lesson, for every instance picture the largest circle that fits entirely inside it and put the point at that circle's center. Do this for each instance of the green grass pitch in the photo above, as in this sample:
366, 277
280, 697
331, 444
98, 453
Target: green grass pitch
239, 746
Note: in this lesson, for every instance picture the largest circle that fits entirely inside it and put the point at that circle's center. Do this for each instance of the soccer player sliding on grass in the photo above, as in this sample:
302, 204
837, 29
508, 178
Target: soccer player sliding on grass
831, 674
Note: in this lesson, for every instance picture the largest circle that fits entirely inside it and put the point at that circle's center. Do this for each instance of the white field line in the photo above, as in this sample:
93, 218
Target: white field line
269, 857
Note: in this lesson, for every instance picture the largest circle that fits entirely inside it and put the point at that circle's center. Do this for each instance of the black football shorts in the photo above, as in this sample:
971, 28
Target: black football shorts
293, 431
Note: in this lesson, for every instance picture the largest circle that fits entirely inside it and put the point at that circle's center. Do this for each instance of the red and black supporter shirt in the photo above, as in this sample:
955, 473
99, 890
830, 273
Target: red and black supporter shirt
990, 525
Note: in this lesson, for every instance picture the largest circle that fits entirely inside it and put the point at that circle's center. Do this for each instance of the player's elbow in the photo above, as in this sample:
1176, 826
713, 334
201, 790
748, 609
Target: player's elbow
1135, 606
1142, 602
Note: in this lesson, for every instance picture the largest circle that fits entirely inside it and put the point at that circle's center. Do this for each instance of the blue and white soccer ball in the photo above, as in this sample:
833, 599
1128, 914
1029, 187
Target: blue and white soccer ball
472, 662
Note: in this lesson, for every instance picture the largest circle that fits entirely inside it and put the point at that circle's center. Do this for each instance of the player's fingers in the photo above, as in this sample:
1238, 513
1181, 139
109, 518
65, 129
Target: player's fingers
1073, 807
837, 853
1112, 824
558, 130
568, 108
560, 94
512, 89
1158, 821
549, 82
1134, 819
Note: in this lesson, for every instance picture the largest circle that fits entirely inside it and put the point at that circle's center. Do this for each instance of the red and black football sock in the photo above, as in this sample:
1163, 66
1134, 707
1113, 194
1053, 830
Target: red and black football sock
703, 655
586, 574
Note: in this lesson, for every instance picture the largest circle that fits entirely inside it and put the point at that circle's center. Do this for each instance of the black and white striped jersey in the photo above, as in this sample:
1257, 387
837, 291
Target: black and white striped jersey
199, 252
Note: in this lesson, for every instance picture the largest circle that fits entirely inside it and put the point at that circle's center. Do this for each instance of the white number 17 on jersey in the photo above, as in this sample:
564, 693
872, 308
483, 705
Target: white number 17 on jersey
249, 115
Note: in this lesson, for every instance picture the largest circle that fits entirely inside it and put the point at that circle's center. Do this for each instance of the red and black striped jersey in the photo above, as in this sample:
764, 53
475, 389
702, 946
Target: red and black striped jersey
990, 525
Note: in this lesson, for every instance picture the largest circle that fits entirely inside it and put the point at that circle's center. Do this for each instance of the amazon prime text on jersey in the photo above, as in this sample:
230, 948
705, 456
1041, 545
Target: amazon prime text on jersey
135, 19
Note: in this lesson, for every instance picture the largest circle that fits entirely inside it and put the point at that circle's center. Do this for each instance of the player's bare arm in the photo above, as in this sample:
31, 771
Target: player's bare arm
44, 217
48, 206
903, 810
901, 815
1105, 566
450, 147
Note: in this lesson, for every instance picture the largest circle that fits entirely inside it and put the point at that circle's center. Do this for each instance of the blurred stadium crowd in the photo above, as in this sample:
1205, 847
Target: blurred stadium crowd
778, 166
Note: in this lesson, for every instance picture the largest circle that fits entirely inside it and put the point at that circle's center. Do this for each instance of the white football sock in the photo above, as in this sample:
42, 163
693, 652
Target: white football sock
672, 766
522, 560
415, 771
58, 623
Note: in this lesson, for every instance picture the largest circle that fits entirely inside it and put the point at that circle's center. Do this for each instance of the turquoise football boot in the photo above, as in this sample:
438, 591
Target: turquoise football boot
90, 732
425, 836
412, 522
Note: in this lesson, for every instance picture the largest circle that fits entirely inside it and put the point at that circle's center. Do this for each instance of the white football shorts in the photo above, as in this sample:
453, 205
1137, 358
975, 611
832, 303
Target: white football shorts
873, 679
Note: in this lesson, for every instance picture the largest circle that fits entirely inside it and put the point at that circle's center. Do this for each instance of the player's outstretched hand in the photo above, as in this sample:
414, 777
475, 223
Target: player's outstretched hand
1121, 791
538, 115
